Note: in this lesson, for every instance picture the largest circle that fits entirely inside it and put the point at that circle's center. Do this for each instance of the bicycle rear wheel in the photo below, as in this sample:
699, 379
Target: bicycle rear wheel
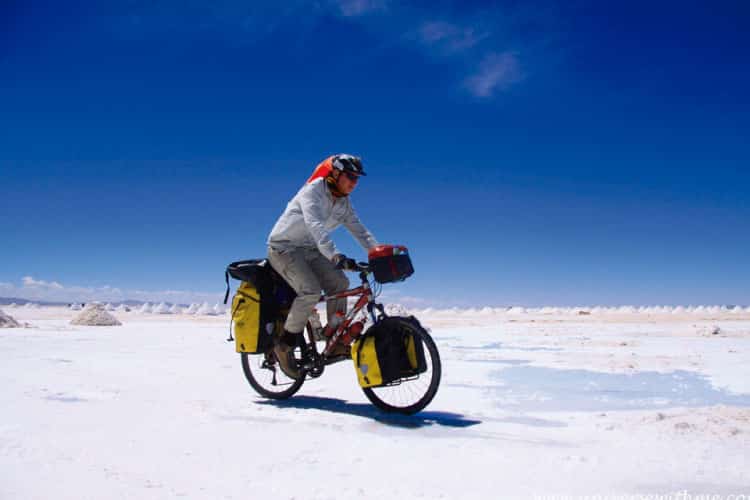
265, 376
414, 394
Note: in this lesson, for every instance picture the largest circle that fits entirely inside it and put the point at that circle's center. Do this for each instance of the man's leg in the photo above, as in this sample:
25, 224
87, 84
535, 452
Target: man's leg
294, 268
331, 279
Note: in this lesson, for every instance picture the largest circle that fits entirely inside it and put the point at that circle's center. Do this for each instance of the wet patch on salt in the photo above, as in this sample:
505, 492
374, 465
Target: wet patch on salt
536, 349
500, 345
531, 421
63, 398
533, 388
514, 362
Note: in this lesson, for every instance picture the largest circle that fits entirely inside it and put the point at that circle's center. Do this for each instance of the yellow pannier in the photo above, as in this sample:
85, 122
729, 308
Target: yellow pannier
366, 362
252, 334
390, 350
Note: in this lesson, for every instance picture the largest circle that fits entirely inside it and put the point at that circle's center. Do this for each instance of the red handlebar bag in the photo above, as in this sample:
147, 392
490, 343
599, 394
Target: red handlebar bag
390, 263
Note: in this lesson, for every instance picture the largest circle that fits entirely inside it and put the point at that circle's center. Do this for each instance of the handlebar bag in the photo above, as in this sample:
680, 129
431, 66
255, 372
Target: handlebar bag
388, 351
390, 263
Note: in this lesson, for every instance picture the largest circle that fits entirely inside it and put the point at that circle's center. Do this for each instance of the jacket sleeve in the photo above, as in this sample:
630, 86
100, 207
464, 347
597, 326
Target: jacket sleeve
358, 230
311, 204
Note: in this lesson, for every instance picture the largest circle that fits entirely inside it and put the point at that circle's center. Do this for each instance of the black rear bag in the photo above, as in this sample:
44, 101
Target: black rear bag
392, 337
276, 296
271, 285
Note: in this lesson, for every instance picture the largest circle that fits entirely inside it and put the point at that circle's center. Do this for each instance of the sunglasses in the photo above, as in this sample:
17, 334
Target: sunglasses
351, 176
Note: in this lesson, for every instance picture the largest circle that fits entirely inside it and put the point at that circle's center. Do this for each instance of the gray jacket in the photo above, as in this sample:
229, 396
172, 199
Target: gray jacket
310, 218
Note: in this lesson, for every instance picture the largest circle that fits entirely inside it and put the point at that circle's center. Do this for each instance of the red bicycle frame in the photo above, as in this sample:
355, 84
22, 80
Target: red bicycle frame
365, 297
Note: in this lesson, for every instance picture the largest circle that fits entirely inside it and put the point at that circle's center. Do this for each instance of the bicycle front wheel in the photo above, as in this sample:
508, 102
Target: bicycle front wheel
264, 374
414, 394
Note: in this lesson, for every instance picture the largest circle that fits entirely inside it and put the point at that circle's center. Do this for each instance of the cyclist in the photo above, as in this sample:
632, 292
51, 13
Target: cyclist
301, 250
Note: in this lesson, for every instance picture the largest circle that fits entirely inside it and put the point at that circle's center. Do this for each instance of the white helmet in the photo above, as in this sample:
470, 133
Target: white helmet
348, 163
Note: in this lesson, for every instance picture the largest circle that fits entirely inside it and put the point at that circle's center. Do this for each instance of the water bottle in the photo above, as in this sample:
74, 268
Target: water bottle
352, 333
333, 324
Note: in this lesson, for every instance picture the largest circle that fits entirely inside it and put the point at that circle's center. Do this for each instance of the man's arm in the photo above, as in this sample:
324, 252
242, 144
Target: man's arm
311, 203
358, 230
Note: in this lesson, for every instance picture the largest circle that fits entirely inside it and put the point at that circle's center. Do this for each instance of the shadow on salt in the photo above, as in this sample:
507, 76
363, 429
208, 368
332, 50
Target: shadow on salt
334, 405
533, 388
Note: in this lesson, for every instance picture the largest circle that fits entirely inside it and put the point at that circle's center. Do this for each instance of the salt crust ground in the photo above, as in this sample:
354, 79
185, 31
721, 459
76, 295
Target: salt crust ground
158, 408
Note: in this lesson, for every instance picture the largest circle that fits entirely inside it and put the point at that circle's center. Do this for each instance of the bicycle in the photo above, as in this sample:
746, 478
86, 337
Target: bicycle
405, 395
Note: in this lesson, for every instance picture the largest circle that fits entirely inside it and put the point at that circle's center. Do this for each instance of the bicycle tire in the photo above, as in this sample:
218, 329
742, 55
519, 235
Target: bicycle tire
251, 362
380, 397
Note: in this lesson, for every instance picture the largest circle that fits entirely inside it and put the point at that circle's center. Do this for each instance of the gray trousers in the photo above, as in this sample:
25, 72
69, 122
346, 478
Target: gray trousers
308, 272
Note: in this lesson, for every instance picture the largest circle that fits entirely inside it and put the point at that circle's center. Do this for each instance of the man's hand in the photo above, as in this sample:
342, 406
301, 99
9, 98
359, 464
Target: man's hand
341, 261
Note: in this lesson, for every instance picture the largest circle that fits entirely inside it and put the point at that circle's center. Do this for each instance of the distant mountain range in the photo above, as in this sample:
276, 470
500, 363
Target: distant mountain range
4, 301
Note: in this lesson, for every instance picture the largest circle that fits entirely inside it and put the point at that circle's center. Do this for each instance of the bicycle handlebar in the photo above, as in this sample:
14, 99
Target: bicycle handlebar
363, 267
353, 266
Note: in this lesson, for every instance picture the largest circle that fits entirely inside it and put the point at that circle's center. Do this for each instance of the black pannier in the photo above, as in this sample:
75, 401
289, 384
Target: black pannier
390, 350
264, 278
390, 263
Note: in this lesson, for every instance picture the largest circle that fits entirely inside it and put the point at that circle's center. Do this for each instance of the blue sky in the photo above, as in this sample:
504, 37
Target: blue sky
561, 153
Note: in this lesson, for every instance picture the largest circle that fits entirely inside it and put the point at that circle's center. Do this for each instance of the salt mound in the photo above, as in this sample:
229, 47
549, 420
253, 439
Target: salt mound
218, 309
205, 309
145, 308
109, 307
192, 309
396, 310
517, 310
470, 312
75, 307
95, 315
175, 309
13, 305
7, 321
161, 309
122, 308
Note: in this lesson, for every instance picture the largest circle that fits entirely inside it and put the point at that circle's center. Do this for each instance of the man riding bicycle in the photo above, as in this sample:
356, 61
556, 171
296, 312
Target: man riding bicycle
301, 250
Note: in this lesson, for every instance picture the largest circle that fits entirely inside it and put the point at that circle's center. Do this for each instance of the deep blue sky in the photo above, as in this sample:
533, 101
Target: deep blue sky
561, 153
